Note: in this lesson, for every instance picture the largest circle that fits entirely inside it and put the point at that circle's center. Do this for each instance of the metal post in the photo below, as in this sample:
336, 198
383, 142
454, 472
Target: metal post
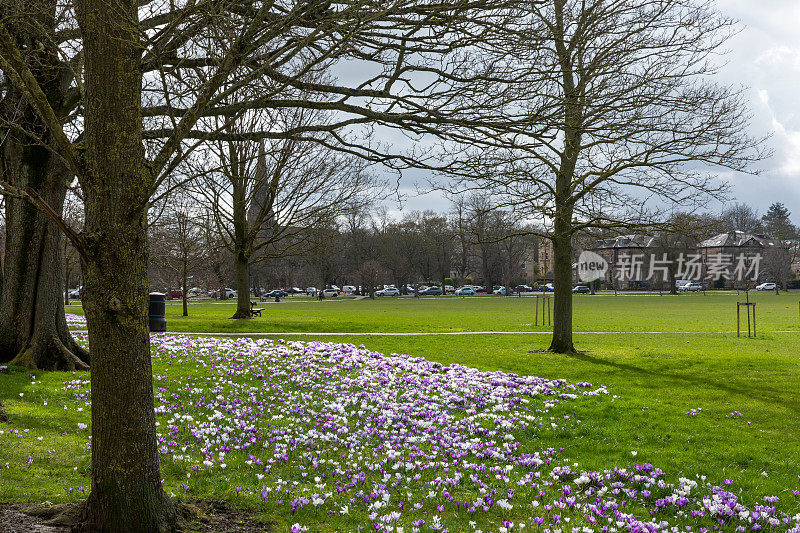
754, 319
536, 323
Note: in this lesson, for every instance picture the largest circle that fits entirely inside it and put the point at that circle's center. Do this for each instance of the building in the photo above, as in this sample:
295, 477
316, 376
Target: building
628, 252
739, 257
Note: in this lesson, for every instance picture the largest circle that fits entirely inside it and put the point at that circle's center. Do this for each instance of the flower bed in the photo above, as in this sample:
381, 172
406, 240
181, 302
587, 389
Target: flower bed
328, 436
76, 321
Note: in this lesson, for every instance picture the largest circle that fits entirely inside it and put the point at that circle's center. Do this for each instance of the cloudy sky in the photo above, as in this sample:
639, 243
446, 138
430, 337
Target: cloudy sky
765, 58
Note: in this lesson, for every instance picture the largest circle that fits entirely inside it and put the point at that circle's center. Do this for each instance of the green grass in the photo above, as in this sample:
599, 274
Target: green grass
654, 379
634, 312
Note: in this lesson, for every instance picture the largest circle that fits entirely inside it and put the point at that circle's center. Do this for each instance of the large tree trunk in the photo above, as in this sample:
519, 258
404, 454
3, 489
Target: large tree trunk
242, 287
33, 331
126, 494
562, 281
562, 223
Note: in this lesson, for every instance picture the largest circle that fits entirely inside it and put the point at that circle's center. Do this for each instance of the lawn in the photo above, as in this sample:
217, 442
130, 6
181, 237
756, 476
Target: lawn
634, 312
706, 407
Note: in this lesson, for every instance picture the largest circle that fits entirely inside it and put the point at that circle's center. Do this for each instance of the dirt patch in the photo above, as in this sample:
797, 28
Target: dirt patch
219, 516
3, 415
14, 520
202, 516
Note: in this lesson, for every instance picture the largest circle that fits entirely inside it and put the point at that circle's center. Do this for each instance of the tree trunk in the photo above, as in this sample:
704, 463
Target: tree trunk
126, 490
33, 330
562, 223
185, 290
562, 281
66, 276
242, 287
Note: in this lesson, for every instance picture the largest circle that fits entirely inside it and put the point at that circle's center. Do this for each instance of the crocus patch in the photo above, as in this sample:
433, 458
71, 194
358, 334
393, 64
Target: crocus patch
76, 321
320, 434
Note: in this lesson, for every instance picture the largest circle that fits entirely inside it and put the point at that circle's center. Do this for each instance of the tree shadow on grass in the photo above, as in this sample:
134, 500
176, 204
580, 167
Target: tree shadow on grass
775, 397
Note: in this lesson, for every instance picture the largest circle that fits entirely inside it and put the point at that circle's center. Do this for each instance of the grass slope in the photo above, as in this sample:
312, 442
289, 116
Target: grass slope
655, 381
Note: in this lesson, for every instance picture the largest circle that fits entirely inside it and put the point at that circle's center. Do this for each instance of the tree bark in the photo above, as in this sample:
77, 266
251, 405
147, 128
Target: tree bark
185, 290
33, 331
126, 490
562, 281
242, 287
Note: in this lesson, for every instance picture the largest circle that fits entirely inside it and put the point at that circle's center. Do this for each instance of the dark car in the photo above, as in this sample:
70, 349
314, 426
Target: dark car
523, 288
581, 289
431, 291
176, 293
277, 293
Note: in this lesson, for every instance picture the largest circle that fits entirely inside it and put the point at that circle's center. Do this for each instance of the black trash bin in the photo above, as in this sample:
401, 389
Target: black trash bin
156, 312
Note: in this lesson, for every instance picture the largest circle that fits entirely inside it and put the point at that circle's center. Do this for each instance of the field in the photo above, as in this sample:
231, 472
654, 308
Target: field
683, 395
626, 312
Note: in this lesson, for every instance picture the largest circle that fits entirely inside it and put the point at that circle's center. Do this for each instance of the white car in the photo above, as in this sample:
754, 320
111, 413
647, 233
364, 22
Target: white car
389, 291
765, 287
692, 286
311, 291
331, 293
449, 288
227, 293
349, 289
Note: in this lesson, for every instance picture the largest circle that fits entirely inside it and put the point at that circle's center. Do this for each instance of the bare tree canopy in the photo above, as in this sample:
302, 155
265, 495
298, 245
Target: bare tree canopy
266, 197
628, 122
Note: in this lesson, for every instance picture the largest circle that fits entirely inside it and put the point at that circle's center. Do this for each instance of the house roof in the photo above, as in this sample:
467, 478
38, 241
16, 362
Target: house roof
625, 241
738, 239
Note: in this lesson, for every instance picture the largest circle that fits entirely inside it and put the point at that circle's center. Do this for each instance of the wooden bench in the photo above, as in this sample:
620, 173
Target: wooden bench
255, 311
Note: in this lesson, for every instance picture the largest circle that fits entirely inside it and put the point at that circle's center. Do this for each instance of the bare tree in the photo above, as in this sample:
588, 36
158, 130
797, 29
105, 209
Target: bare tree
741, 217
266, 198
625, 120
177, 241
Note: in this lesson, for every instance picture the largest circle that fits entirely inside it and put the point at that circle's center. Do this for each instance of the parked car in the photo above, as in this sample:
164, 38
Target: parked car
388, 291
228, 293
176, 293
692, 286
294, 290
331, 293
479, 289
311, 291
431, 291
581, 289
523, 288
349, 289
276, 293
547, 287
465, 291
766, 287
195, 291
75, 294
449, 289
500, 290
